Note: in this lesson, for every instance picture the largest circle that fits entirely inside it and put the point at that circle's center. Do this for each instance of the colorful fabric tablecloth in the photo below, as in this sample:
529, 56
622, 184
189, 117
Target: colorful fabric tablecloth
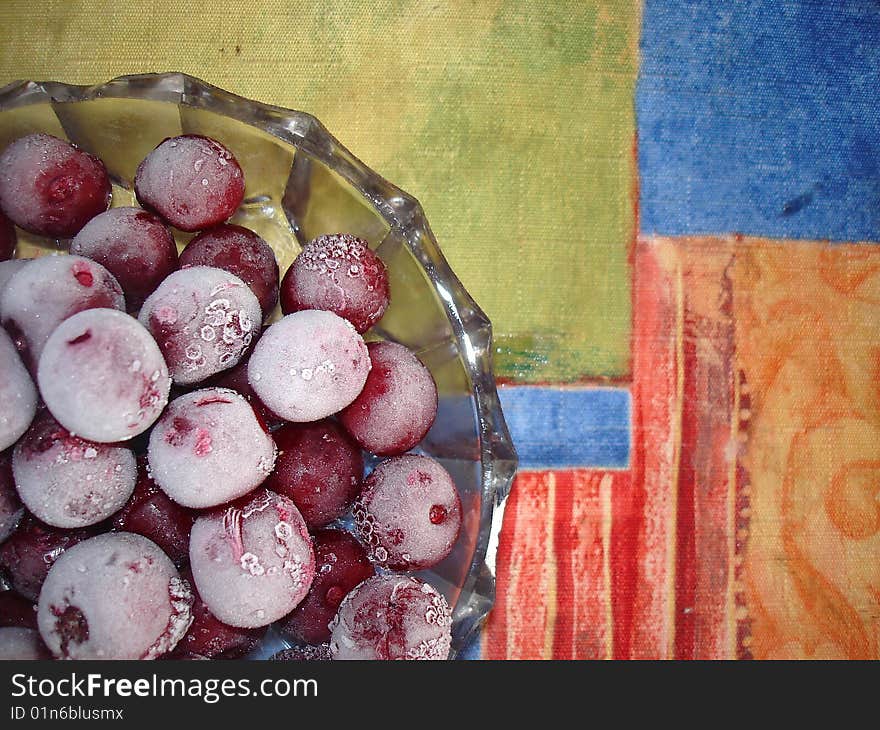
666, 208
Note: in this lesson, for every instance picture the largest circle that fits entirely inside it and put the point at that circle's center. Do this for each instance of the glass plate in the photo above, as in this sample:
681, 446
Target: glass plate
301, 182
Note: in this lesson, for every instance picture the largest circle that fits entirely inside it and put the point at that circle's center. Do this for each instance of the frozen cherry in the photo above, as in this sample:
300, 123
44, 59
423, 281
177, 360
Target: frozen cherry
319, 467
132, 244
102, 376
15, 610
209, 448
11, 509
204, 320
341, 563
193, 182
115, 596
309, 365
397, 405
41, 295
237, 379
408, 513
302, 654
239, 251
210, 638
21, 643
18, 396
66, 481
7, 238
149, 512
392, 617
338, 273
252, 561
50, 187
25, 558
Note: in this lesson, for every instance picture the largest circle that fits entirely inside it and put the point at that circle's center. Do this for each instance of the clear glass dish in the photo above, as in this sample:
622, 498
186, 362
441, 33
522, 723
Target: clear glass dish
301, 182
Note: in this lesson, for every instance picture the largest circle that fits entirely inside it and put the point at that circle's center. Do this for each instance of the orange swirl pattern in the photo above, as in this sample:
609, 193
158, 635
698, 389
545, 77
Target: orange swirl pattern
807, 316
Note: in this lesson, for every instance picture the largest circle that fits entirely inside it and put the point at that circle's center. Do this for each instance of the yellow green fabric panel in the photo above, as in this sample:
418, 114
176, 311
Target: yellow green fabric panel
512, 122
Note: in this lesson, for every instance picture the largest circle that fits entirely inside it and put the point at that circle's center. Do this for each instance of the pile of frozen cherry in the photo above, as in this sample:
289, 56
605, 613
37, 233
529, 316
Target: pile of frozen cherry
175, 475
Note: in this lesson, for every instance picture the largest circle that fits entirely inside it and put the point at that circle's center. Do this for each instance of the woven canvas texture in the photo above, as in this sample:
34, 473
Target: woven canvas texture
667, 210
511, 122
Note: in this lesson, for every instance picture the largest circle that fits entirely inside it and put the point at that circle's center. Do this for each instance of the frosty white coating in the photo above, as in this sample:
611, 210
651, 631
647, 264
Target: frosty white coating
392, 617
8, 269
192, 181
408, 513
309, 365
18, 396
338, 273
68, 482
397, 405
252, 563
102, 376
114, 596
50, 187
134, 245
209, 448
203, 319
41, 295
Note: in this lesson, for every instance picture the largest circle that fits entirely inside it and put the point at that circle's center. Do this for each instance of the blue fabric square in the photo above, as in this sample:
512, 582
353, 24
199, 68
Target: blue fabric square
760, 117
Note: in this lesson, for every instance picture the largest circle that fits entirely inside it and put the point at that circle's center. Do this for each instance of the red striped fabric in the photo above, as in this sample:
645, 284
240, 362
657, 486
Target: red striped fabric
639, 564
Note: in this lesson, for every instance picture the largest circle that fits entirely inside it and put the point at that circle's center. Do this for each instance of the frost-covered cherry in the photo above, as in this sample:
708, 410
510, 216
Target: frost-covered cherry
397, 405
210, 638
11, 509
338, 273
319, 467
8, 238
66, 481
115, 596
341, 563
204, 319
18, 396
302, 654
193, 182
16, 610
102, 376
41, 295
392, 617
50, 187
21, 644
132, 244
252, 561
25, 558
309, 365
239, 251
408, 513
209, 448
151, 513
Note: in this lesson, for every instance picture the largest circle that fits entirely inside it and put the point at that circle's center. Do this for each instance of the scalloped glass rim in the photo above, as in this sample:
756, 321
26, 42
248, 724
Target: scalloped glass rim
471, 328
